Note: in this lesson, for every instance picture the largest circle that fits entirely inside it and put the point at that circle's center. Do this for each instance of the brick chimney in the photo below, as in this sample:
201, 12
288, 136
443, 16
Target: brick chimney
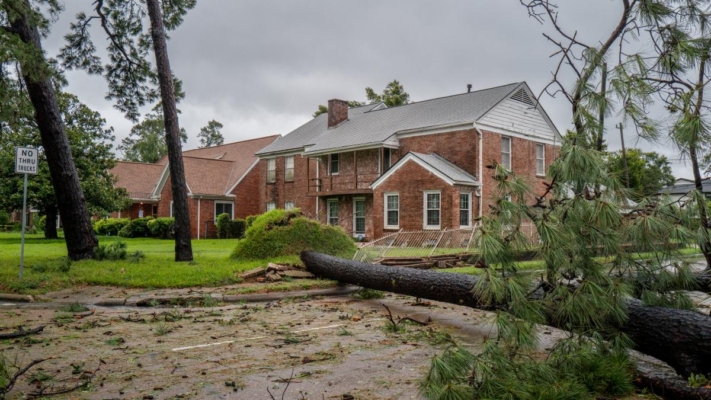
337, 112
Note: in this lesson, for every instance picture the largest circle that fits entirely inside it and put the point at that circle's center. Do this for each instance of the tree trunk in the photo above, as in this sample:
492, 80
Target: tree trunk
50, 223
680, 338
183, 246
79, 235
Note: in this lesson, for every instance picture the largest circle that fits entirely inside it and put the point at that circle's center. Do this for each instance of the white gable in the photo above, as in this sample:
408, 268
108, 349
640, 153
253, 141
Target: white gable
518, 114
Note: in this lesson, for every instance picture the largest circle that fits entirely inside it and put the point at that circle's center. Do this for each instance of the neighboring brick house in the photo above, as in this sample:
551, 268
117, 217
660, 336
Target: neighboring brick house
375, 170
139, 180
220, 179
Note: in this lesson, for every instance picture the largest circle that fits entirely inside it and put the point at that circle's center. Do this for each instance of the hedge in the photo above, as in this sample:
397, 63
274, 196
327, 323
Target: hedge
162, 228
227, 228
110, 227
136, 228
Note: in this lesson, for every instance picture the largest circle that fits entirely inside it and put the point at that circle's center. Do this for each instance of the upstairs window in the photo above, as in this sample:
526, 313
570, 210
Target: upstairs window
540, 159
334, 165
289, 205
432, 209
271, 170
506, 152
289, 168
271, 205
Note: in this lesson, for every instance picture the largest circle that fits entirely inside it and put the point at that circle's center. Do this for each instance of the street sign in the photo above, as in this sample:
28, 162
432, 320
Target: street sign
26, 164
26, 160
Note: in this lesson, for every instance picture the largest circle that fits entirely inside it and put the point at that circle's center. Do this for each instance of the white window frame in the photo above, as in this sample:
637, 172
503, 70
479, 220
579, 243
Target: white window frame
468, 209
425, 209
271, 205
271, 170
232, 211
507, 138
328, 212
330, 163
171, 209
288, 170
355, 215
542, 160
386, 210
288, 205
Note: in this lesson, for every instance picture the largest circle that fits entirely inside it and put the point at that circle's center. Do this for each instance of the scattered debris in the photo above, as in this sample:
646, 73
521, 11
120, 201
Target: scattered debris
276, 272
438, 261
21, 332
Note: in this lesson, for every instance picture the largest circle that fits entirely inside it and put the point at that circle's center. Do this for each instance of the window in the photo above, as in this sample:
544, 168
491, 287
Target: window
465, 209
334, 166
271, 170
171, 208
387, 159
506, 152
289, 205
392, 210
432, 210
271, 205
359, 215
332, 212
540, 159
222, 207
289, 169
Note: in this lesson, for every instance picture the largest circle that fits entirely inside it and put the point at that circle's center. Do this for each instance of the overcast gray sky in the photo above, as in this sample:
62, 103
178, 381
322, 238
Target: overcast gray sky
262, 67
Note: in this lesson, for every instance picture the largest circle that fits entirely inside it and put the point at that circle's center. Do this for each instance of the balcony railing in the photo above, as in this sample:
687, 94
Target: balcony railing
342, 184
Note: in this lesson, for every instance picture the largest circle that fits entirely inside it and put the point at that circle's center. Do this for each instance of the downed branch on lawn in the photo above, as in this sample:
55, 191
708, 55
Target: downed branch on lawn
21, 332
680, 338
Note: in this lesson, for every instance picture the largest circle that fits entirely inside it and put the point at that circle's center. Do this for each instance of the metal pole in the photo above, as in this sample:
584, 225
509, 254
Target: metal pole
24, 223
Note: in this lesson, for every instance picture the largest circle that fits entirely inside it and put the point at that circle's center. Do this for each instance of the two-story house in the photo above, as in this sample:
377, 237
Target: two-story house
375, 170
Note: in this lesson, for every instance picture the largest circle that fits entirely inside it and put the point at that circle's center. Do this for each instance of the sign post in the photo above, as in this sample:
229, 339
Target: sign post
25, 163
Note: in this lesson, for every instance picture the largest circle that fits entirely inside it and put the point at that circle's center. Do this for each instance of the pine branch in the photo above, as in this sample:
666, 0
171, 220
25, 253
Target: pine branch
112, 37
9, 29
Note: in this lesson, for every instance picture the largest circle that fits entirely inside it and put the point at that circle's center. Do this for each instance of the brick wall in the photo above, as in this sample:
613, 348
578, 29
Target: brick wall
282, 191
346, 213
247, 199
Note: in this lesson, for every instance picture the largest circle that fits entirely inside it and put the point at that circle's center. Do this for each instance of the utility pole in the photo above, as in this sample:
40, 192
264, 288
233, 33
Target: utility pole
624, 157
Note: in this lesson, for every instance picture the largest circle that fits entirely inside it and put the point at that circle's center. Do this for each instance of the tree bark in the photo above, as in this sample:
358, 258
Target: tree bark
79, 235
183, 245
680, 338
50, 223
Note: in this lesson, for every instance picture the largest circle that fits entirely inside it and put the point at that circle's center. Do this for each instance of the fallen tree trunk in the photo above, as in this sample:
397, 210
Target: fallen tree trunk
680, 338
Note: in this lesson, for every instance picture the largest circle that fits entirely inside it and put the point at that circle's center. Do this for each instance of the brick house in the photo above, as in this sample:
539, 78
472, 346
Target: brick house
220, 179
374, 170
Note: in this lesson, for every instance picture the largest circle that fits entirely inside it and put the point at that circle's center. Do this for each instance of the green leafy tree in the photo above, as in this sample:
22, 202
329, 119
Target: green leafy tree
133, 82
23, 24
648, 171
210, 134
91, 147
394, 94
146, 142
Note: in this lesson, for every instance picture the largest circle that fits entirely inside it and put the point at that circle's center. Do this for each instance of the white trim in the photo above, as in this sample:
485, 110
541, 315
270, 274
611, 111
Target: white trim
214, 208
469, 194
198, 219
328, 212
275, 154
346, 149
355, 214
385, 210
161, 182
171, 209
512, 133
435, 129
543, 146
410, 156
425, 209
254, 164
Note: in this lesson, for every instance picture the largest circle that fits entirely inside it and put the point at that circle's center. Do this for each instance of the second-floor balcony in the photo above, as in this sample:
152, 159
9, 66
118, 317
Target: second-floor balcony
341, 184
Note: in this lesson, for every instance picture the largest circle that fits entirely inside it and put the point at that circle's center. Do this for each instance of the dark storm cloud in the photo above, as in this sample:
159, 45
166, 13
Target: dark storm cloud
263, 67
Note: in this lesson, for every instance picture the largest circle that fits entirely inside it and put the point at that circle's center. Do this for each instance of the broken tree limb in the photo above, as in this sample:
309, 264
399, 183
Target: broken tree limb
680, 338
20, 333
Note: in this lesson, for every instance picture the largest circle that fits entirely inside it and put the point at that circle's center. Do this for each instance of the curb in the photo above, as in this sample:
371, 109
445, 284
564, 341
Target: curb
17, 298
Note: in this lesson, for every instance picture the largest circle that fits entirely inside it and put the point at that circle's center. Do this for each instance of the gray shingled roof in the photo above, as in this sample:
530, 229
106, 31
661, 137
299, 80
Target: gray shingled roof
685, 188
367, 126
453, 172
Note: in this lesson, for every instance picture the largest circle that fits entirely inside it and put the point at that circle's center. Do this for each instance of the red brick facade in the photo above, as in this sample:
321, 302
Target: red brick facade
358, 170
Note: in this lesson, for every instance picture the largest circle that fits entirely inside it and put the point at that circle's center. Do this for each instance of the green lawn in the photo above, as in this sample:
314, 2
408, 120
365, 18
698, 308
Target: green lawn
211, 267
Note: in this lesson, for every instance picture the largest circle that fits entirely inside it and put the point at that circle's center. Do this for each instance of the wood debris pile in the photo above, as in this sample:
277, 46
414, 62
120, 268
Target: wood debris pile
276, 272
438, 261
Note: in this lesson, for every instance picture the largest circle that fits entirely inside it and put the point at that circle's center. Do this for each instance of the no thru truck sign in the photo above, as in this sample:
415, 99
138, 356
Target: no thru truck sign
26, 161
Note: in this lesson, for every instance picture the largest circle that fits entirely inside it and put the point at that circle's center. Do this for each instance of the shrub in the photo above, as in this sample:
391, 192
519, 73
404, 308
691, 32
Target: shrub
282, 233
111, 251
41, 223
163, 228
4, 217
110, 226
250, 220
223, 222
237, 228
136, 228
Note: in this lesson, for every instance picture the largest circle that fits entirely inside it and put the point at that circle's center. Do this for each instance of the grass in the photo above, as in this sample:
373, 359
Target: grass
211, 266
